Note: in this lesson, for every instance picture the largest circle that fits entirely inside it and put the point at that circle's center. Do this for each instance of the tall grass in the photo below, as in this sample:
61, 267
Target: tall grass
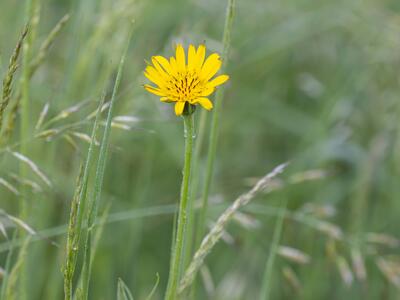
84, 209
93, 202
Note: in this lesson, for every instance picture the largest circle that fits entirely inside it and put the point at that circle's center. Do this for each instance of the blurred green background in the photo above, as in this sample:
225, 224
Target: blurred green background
312, 82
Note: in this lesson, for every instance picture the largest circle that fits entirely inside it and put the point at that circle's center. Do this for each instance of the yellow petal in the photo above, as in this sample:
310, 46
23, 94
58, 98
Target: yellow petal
210, 67
152, 79
166, 99
208, 91
205, 102
179, 106
191, 57
219, 80
174, 65
159, 69
163, 62
180, 57
152, 74
154, 90
200, 55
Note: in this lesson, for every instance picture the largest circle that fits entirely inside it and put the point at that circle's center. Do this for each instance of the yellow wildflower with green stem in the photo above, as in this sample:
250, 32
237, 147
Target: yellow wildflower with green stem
185, 82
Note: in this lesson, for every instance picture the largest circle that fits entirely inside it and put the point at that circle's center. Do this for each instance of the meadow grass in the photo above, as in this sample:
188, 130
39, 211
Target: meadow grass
89, 188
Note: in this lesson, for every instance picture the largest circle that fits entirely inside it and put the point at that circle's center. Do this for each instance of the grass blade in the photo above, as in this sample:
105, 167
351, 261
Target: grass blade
77, 213
99, 177
123, 292
153, 290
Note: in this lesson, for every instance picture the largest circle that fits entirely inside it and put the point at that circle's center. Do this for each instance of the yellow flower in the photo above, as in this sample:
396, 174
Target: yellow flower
185, 83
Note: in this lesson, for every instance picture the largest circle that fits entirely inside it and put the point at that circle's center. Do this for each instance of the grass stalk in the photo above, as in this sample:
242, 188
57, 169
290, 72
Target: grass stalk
177, 253
33, 17
33, 12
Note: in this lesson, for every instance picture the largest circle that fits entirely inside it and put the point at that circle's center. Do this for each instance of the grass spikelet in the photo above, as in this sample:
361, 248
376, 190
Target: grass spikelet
19, 223
9, 78
390, 269
36, 188
32, 166
344, 270
358, 264
383, 239
294, 255
3, 230
85, 137
42, 116
33, 65
9, 186
216, 231
44, 48
68, 111
291, 277
72, 240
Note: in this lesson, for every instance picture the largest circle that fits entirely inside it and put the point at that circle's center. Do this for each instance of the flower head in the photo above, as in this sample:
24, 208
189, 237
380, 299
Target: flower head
181, 82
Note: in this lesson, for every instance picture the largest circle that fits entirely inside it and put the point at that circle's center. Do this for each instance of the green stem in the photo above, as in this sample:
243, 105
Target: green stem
25, 100
177, 258
189, 243
33, 16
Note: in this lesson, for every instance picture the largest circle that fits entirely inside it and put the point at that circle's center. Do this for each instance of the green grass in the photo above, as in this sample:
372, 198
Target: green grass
311, 82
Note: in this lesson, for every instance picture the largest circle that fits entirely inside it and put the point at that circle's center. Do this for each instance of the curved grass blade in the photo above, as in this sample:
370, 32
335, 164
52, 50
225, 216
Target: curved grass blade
123, 292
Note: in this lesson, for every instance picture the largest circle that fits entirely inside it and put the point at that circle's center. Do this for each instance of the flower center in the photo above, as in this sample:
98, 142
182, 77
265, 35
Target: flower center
186, 86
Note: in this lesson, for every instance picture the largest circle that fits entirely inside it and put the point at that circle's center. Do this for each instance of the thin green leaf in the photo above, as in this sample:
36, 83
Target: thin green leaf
154, 287
123, 292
